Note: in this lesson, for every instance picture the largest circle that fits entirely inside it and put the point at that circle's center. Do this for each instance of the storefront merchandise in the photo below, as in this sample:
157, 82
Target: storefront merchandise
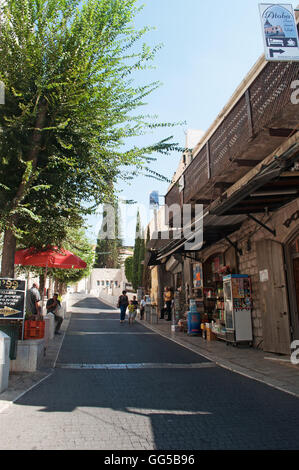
237, 310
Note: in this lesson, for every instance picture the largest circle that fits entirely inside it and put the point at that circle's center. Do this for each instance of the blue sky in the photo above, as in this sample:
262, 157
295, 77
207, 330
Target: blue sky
208, 48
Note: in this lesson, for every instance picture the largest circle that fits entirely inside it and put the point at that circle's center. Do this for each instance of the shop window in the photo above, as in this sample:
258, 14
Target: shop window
213, 271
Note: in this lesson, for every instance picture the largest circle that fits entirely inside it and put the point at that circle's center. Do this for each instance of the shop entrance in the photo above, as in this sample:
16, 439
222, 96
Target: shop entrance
296, 278
273, 297
292, 260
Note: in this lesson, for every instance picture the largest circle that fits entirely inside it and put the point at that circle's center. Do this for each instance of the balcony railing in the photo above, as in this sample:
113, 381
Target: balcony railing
245, 133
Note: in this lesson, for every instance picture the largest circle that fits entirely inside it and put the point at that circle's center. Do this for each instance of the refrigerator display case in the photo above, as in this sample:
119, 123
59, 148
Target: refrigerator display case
237, 306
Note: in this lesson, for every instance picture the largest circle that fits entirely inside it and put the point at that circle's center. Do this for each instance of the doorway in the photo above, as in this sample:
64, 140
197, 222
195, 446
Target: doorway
273, 297
292, 263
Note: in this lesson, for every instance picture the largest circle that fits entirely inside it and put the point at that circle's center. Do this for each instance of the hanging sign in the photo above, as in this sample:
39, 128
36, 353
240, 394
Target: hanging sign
197, 276
279, 32
12, 299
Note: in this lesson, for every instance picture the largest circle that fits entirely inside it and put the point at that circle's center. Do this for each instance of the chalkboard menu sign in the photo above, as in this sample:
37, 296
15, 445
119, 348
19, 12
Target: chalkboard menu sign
12, 299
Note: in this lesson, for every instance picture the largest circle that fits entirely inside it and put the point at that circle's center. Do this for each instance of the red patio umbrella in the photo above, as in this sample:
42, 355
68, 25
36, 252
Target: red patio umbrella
52, 257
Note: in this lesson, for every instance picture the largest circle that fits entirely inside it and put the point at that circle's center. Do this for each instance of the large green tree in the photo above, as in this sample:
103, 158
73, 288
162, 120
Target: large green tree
67, 68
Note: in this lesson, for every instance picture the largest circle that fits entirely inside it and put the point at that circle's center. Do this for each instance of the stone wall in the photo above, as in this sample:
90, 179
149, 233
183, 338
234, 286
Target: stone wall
285, 224
248, 265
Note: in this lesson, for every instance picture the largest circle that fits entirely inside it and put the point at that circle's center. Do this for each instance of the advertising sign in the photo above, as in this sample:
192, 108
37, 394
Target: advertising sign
12, 299
279, 32
197, 276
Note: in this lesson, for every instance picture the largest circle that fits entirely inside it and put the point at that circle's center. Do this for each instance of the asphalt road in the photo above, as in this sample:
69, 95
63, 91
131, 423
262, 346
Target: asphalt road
124, 387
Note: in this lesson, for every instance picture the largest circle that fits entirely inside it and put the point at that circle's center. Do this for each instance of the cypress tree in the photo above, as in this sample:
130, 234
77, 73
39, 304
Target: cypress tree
108, 249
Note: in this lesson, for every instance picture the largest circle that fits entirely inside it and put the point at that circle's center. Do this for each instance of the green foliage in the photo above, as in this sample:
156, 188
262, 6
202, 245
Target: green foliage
138, 255
77, 243
70, 100
108, 249
129, 268
146, 280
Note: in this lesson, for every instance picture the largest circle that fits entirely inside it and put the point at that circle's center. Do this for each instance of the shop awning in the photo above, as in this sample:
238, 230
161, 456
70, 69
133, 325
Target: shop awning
274, 186
158, 241
214, 229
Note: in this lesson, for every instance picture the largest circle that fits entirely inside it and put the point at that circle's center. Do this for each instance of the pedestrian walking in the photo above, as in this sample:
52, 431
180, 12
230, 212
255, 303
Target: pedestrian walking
132, 312
122, 304
142, 307
135, 302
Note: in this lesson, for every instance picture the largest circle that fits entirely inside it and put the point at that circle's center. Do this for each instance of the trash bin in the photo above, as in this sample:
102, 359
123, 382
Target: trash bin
12, 330
193, 322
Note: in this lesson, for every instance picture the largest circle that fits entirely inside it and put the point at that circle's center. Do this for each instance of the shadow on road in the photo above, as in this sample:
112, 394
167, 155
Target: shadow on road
165, 408
179, 409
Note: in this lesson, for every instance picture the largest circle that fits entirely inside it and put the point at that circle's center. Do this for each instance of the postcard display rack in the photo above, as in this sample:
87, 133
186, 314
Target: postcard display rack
209, 294
237, 309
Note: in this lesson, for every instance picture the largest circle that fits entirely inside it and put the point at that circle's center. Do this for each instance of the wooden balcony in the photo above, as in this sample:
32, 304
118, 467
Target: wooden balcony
257, 120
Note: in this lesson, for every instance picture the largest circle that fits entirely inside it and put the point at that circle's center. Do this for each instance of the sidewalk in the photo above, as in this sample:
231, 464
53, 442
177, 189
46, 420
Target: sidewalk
20, 382
272, 369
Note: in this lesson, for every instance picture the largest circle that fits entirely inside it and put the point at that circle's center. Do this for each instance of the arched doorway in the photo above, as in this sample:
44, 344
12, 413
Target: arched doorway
273, 296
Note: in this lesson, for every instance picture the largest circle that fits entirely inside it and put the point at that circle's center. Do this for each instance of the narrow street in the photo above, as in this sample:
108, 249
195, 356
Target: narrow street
124, 387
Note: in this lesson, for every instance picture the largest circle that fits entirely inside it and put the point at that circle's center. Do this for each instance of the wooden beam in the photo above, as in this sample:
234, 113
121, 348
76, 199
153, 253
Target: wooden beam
249, 112
250, 163
208, 159
203, 201
223, 184
280, 132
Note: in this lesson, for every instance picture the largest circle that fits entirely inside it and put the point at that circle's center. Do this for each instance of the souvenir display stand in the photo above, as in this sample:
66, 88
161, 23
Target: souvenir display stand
223, 300
237, 310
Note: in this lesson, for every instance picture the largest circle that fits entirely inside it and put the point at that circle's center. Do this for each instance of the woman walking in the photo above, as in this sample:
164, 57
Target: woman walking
123, 303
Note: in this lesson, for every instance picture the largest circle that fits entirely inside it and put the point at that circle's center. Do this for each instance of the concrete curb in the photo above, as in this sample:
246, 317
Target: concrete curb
21, 383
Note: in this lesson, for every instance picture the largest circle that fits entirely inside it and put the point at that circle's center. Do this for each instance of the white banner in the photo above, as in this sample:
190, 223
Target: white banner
279, 32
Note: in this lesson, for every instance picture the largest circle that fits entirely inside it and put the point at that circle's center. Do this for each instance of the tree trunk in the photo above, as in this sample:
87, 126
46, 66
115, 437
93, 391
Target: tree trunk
8, 254
50, 292
41, 283
9, 244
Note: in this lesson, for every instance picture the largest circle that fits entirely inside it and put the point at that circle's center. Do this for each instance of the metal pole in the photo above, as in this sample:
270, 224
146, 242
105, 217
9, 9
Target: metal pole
43, 293
24, 313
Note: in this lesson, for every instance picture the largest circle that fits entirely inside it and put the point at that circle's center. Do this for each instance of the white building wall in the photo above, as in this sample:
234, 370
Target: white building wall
103, 281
